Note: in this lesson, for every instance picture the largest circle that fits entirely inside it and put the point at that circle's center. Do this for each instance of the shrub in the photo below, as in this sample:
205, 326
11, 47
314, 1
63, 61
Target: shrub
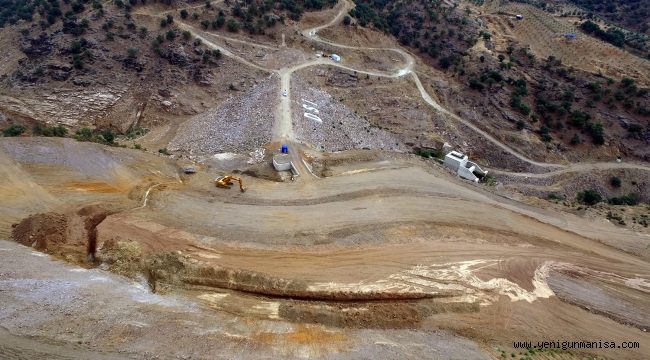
445, 62
575, 140
630, 199
546, 137
597, 133
184, 14
520, 125
233, 25
430, 153
48, 131
205, 24
615, 181
347, 20
476, 85
187, 35
627, 82
84, 134
171, 35
219, 22
132, 53
59, 131
164, 151
14, 130
108, 135
589, 197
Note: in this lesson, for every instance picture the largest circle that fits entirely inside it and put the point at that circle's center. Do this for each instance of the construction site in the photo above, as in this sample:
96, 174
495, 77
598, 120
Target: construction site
283, 222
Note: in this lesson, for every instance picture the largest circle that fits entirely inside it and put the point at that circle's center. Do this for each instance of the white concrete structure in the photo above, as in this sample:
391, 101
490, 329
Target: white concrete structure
282, 162
463, 167
335, 57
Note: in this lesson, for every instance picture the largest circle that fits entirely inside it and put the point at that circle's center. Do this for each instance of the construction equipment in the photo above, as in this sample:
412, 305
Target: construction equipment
226, 182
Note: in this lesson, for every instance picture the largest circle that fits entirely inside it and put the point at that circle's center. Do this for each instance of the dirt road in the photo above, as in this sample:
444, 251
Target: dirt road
284, 123
358, 235
374, 262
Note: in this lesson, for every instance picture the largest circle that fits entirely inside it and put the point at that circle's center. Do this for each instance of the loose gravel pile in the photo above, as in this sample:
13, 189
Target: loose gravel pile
241, 124
340, 128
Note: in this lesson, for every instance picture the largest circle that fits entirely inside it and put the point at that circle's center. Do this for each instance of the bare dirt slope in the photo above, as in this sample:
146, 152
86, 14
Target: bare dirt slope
431, 252
366, 253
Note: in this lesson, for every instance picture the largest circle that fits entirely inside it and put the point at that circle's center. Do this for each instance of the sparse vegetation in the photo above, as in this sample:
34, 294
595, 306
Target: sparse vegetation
430, 153
104, 137
630, 199
233, 25
14, 130
49, 131
589, 197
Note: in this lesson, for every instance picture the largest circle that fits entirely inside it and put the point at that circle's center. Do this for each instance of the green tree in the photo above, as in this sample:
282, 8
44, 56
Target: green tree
14, 130
232, 25
589, 197
184, 14
109, 136
132, 53
615, 181
575, 140
83, 134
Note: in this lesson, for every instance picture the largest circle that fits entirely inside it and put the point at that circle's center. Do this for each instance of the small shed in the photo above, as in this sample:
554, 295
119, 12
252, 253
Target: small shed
464, 168
335, 57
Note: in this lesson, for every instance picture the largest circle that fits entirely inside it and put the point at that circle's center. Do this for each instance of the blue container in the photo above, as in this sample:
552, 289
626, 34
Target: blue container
285, 149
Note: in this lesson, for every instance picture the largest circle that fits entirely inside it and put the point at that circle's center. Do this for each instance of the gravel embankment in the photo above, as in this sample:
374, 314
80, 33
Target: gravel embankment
340, 128
242, 123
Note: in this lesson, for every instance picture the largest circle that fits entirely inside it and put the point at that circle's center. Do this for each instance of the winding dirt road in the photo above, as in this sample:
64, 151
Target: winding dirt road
283, 129
484, 264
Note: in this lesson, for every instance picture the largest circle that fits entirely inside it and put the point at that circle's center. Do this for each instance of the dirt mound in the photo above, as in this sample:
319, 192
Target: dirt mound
371, 314
70, 235
92, 216
41, 231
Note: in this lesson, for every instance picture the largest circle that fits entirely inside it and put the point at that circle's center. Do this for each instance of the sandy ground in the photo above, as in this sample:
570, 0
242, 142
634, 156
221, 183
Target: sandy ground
57, 311
385, 257
410, 258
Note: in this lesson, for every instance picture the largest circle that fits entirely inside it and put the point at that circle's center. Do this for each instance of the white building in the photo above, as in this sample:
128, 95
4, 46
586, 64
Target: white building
335, 57
282, 162
463, 167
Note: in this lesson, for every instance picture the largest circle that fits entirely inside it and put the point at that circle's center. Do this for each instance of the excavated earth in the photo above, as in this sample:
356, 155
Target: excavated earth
117, 253
386, 256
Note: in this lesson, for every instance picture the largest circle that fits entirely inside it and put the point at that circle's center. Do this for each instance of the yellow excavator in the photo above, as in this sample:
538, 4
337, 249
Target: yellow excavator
226, 182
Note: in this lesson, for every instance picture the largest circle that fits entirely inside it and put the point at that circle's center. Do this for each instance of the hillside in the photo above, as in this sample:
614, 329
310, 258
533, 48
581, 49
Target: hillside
129, 68
631, 14
321, 179
113, 66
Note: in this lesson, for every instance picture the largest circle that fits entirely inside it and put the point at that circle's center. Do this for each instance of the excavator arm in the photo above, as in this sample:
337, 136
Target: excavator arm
226, 182
241, 185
